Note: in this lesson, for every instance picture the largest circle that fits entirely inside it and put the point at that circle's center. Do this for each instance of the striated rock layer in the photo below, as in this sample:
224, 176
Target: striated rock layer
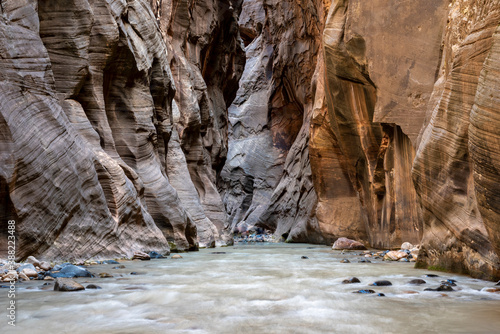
455, 173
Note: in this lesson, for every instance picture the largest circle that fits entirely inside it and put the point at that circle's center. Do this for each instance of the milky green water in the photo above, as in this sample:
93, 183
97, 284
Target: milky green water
263, 288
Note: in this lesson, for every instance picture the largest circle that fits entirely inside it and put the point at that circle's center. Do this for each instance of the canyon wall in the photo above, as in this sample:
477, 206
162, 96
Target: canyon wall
98, 159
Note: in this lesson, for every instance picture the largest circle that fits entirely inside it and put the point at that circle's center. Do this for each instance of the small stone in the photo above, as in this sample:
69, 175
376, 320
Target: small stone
345, 243
407, 245
364, 291
32, 260
105, 275
381, 283
93, 286
351, 280
304, 257
417, 281
345, 261
141, 256
67, 284
119, 267
176, 256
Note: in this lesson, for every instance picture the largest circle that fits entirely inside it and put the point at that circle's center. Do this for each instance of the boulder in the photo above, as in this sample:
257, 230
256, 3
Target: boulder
11, 275
29, 272
406, 246
66, 284
26, 266
395, 255
69, 270
155, 255
345, 243
23, 277
45, 266
33, 261
141, 256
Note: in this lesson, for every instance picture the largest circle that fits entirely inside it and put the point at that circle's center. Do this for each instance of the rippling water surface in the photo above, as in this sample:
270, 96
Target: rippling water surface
263, 288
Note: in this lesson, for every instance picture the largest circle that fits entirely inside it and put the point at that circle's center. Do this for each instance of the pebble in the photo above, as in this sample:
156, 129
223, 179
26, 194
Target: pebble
351, 280
67, 284
381, 283
345, 261
417, 281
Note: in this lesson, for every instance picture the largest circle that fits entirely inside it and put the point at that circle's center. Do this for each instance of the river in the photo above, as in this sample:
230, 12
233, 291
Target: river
260, 288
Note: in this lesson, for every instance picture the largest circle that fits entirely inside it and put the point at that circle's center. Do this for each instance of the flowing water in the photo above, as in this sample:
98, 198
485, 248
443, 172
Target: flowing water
262, 288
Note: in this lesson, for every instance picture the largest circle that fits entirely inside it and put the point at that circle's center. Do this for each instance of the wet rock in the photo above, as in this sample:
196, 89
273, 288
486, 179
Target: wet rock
134, 273
442, 287
380, 295
395, 255
69, 271
176, 256
345, 261
450, 282
417, 281
432, 275
381, 283
364, 261
110, 262
119, 267
491, 290
365, 291
217, 252
105, 275
410, 292
404, 260
141, 256
351, 280
498, 283
155, 255
304, 257
66, 284
345, 243
406, 245
48, 278
93, 286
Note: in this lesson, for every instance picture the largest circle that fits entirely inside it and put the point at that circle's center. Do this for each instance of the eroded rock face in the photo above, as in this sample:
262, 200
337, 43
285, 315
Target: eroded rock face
455, 170
207, 60
85, 106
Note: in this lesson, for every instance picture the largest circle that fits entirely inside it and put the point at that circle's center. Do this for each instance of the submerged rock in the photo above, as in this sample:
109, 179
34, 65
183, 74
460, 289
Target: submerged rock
32, 260
110, 262
432, 275
364, 291
351, 280
93, 286
119, 267
345, 261
417, 281
105, 275
491, 290
66, 284
442, 287
381, 283
304, 257
176, 256
345, 243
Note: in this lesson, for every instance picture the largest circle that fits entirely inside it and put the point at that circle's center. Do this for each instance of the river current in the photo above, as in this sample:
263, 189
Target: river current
260, 288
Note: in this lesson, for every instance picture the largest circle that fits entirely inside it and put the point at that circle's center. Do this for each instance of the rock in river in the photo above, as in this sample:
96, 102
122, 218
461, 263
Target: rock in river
69, 270
345, 243
351, 280
417, 281
66, 284
381, 283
